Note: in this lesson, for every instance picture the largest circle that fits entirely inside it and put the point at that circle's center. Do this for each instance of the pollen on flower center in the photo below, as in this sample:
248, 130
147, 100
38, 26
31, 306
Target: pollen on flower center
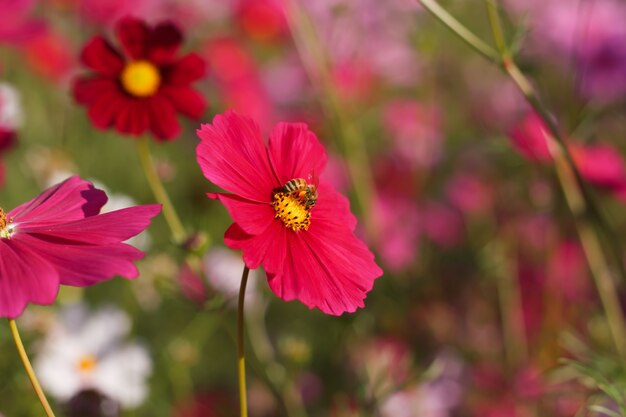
87, 363
292, 210
5, 229
140, 78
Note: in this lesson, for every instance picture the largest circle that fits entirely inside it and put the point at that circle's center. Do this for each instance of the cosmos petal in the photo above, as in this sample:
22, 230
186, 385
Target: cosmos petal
186, 70
132, 117
101, 57
87, 90
329, 269
253, 218
25, 277
256, 248
295, 152
69, 200
232, 155
163, 42
163, 122
133, 34
83, 265
186, 100
104, 229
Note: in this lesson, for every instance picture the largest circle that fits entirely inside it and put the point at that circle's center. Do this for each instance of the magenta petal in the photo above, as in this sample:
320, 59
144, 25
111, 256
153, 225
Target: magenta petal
232, 155
331, 270
295, 152
256, 248
83, 265
25, 277
332, 208
107, 228
253, 218
69, 200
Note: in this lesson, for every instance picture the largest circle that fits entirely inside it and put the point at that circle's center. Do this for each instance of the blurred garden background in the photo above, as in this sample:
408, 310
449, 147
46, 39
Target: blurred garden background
491, 191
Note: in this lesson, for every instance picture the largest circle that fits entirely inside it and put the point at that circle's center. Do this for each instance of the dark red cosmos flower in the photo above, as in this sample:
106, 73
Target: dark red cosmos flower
144, 85
306, 245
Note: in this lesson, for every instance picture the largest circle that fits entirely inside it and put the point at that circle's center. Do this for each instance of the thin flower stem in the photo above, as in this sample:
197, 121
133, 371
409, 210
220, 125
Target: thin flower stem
579, 202
171, 217
461, 31
571, 184
29, 368
241, 360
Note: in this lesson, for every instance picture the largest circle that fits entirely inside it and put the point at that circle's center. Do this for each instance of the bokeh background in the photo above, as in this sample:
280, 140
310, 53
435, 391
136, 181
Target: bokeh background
486, 288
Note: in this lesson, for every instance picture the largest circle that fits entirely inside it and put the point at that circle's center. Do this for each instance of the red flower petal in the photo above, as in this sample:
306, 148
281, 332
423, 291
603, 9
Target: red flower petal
295, 152
186, 100
133, 118
186, 70
106, 108
25, 277
332, 208
133, 34
83, 265
87, 90
101, 57
253, 218
163, 43
69, 200
232, 155
163, 122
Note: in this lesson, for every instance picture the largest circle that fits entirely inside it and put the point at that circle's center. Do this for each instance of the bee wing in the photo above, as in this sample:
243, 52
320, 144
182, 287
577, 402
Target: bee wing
312, 178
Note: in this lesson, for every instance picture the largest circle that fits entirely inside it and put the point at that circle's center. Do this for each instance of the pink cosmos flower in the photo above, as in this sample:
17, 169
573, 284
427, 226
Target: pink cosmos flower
305, 244
59, 238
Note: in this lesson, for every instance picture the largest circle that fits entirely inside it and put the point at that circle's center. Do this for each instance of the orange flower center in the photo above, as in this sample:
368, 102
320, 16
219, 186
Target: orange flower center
87, 363
5, 229
293, 204
141, 78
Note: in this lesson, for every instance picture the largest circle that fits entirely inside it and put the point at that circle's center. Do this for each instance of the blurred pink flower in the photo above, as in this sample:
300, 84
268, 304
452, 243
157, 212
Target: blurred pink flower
470, 194
529, 137
215, 403
371, 33
567, 274
398, 222
309, 251
51, 55
601, 165
442, 224
11, 116
416, 131
238, 80
58, 238
18, 24
262, 20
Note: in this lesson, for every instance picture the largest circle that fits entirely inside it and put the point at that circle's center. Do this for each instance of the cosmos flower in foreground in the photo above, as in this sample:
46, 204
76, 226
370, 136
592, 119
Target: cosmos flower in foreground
59, 238
300, 231
144, 86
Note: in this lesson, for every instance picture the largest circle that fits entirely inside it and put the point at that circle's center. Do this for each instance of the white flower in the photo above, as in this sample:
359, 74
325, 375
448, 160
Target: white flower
11, 114
86, 351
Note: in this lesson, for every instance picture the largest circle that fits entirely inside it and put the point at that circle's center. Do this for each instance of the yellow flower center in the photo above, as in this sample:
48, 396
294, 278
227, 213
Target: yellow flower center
5, 229
87, 363
293, 204
141, 78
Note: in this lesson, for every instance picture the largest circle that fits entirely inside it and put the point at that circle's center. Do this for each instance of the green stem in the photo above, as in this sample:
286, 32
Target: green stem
29, 369
461, 31
171, 217
241, 360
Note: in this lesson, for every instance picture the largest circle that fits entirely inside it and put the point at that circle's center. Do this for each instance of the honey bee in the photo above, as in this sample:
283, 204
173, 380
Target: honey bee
298, 187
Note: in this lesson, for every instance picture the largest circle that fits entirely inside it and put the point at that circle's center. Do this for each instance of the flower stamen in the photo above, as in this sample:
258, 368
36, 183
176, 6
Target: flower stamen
87, 363
140, 78
292, 207
5, 229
